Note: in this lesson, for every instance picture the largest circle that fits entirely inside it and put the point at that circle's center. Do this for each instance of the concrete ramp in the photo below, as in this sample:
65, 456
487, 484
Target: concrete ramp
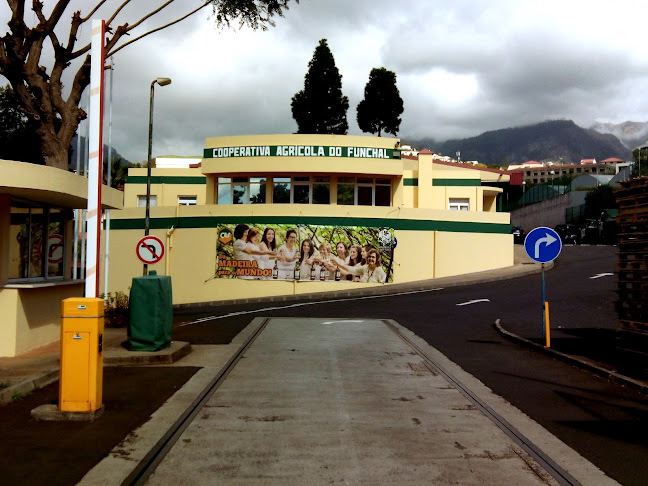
340, 401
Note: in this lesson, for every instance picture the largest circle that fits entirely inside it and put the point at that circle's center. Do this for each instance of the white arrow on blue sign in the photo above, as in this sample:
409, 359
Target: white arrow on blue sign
542, 244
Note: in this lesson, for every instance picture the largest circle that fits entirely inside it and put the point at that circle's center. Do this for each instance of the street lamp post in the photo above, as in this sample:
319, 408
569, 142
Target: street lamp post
553, 176
161, 82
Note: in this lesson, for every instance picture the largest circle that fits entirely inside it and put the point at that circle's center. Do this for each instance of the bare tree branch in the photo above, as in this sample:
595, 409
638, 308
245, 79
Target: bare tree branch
110, 53
97, 7
109, 21
151, 14
40, 93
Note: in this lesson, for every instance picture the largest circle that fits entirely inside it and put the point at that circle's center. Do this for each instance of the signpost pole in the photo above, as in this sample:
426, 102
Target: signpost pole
543, 245
544, 300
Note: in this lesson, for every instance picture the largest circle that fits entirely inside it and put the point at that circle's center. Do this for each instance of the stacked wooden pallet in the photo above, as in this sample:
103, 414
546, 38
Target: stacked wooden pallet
632, 306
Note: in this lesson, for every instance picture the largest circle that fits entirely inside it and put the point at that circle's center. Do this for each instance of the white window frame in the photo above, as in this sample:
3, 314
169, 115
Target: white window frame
249, 182
187, 200
365, 183
141, 201
459, 204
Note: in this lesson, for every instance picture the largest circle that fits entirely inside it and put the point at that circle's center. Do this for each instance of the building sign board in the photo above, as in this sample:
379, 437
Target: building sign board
301, 151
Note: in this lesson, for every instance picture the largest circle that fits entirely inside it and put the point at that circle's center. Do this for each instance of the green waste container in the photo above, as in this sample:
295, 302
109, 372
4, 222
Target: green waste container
151, 314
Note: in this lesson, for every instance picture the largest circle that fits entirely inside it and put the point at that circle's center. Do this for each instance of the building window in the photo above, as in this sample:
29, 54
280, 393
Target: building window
321, 190
459, 204
37, 243
241, 190
257, 190
141, 201
346, 191
285, 190
302, 190
187, 200
281, 190
364, 191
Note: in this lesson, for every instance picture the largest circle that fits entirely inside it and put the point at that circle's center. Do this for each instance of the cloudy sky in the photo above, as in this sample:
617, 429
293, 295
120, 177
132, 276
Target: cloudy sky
463, 67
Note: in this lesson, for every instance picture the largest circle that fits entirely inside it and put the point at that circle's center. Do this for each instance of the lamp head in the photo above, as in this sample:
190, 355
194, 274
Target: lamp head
163, 81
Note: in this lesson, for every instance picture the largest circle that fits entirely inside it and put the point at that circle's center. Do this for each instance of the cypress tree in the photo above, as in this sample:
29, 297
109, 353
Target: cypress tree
382, 105
321, 107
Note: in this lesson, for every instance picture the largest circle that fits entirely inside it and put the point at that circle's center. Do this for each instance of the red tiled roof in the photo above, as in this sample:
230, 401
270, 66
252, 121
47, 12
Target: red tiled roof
612, 159
588, 161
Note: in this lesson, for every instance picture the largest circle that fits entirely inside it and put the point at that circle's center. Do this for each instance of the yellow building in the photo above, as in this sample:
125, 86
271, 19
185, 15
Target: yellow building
36, 250
347, 189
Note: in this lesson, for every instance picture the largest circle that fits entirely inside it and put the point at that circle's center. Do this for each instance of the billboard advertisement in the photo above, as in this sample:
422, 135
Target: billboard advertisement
305, 253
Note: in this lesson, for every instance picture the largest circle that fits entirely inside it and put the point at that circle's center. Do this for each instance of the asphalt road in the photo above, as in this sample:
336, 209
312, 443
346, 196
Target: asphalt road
605, 422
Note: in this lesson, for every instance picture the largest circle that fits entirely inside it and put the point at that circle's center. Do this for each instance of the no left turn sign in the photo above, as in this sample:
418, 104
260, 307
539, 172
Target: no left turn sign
55, 249
150, 249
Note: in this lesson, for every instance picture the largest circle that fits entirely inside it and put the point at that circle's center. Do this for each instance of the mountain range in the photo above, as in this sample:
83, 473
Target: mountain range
555, 140
116, 156
632, 134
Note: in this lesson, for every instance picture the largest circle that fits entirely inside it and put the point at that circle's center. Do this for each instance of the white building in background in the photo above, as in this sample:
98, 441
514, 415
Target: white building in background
171, 162
539, 172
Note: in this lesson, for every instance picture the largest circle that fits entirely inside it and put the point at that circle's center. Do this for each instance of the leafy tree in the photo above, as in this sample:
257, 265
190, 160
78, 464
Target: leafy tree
382, 105
18, 141
599, 199
118, 172
321, 107
40, 91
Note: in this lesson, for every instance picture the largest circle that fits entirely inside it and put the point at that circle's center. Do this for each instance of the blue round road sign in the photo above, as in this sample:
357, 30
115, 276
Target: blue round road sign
542, 244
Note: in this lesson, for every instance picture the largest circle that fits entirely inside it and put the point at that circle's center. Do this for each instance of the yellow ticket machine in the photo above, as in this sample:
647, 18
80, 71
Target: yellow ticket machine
81, 369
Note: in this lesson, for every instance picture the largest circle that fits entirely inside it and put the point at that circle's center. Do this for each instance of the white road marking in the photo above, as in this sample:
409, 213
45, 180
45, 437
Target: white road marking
302, 304
473, 302
599, 275
341, 321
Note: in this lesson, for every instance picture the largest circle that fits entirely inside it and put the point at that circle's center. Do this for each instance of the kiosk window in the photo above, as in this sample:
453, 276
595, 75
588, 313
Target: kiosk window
36, 244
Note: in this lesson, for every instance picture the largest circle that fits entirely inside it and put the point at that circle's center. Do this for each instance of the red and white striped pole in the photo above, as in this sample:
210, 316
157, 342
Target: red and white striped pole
95, 160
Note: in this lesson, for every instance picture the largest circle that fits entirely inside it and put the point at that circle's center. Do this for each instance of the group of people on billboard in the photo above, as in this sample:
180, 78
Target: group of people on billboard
305, 253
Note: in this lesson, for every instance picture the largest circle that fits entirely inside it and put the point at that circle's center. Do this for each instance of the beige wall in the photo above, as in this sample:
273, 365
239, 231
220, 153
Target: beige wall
32, 315
8, 327
456, 253
191, 258
167, 194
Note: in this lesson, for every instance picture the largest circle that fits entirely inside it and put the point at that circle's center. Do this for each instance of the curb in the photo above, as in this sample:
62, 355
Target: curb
25, 387
177, 350
586, 365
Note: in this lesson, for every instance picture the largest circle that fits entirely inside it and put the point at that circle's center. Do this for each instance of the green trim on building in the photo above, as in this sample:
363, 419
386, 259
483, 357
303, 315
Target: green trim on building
167, 180
397, 224
457, 182
410, 182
